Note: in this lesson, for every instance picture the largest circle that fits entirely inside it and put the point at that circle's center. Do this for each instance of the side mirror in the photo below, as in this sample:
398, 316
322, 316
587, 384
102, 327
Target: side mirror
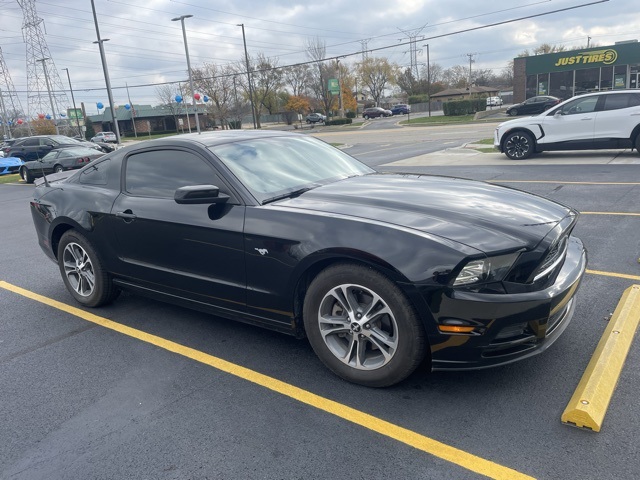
199, 194
558, 112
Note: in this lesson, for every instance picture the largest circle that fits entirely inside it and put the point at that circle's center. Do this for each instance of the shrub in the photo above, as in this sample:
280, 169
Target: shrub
464, 107
351, 114
339, 121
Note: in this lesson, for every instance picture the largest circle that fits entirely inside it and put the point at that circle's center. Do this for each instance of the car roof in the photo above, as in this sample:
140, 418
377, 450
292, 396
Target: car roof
209, 139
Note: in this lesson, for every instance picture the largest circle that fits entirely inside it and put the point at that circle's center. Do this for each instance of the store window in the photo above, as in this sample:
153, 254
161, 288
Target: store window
561, 84
620, 76
532, 86
606, 78
587, 80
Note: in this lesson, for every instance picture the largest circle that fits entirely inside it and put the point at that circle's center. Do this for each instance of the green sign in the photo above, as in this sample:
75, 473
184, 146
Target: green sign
334, 86
622, 54
74, 114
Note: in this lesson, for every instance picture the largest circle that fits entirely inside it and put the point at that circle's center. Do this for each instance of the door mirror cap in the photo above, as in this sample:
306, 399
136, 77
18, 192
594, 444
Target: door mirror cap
199, 194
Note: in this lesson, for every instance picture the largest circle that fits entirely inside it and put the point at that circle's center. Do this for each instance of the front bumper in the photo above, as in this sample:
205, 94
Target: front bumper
512, 326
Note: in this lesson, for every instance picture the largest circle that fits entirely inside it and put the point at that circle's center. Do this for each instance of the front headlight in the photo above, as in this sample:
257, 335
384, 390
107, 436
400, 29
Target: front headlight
491, 269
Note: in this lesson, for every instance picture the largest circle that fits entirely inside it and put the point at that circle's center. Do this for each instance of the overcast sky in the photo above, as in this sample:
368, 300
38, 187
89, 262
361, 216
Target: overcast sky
146, 47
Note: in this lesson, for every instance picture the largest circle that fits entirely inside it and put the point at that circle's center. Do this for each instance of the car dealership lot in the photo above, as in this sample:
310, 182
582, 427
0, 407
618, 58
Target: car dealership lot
83, 400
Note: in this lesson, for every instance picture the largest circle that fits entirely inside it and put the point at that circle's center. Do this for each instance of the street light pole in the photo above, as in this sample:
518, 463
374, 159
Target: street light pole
428, 77
106, 72
246, 58
186, 49
75, 112
46, 79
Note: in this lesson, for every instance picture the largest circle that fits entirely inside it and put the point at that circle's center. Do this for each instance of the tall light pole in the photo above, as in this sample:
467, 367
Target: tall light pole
46, 79
246, 58
186, 49
341, 106
106, 72
75, 112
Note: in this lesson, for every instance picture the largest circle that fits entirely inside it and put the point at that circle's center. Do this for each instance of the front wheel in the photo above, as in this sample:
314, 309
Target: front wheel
518, 145
362, 327
513, 112
26, 175
82, 271
366, 117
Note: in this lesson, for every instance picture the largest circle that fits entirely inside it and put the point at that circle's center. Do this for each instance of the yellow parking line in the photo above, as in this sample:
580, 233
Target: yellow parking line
428, 445
611, 274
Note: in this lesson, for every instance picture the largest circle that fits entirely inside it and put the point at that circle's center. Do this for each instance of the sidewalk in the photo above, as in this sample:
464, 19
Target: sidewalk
468, 154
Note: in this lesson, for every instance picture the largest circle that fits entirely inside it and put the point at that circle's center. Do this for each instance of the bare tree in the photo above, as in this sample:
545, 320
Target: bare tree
217, 83
167, 94
297, 78
377, 74
320, 73
266, 79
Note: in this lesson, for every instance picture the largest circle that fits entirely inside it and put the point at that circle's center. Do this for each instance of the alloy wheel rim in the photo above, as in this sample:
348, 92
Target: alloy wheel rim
358, 327
78, 269
517, 146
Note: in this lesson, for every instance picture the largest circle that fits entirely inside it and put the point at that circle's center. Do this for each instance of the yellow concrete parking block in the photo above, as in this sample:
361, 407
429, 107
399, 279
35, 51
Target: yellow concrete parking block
590, 401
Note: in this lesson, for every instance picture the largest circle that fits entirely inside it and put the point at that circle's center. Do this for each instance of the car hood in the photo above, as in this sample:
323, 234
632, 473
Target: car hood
486, 217
10, 161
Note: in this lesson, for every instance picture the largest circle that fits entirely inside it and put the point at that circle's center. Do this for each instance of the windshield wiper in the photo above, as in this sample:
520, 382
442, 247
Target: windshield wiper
292, 194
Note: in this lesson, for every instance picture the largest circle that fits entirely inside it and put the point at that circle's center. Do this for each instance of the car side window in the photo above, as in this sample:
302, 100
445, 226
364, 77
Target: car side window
580, 105
96, 174
618, 101
634, 101
159, 173
31, 142
46, 141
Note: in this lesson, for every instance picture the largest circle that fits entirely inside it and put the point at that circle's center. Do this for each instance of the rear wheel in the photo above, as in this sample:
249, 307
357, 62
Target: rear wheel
362, 327
82, 271
26, 175
518, 145
58, 169
638, 143
513, 112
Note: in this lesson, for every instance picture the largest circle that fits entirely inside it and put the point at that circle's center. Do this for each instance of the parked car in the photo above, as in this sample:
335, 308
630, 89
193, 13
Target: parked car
374, 112
316, 118
533, 105
10, 165
494, 102
108, 137
590, 121
58, 161
400, 109
36, 147
6, 145
281, 230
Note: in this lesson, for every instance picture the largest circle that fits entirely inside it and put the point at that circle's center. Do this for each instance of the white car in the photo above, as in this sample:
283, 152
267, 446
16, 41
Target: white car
494, 102
104, 137
588, 122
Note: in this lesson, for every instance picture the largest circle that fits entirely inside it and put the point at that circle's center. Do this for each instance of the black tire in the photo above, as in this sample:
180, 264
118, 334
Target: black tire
58, 169
82, 271
26, 175
518, 145
352, 344
637, 142
513, 112
366, 117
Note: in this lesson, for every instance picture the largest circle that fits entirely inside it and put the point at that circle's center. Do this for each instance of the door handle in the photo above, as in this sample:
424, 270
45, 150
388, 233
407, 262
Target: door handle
635, 114
584, 119
127, 215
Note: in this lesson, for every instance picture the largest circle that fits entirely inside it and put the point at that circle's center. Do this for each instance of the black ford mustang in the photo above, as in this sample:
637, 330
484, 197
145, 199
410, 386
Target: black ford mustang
379, 271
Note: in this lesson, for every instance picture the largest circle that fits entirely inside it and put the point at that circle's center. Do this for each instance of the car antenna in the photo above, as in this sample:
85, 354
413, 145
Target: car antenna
46, 182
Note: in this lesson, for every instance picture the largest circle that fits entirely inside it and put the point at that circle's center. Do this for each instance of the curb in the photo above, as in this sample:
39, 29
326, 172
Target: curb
590, 401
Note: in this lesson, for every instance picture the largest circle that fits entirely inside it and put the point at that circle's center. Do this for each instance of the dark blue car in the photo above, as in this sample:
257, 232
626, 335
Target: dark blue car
401, 109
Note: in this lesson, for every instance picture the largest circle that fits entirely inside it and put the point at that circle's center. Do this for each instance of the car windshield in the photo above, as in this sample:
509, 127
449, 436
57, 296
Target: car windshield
273, 167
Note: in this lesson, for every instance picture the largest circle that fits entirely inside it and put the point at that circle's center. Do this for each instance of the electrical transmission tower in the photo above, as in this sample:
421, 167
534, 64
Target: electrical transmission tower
10, 107
414, 36
365, 45
45, 91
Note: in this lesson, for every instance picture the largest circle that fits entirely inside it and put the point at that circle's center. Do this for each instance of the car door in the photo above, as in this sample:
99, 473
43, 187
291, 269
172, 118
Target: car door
192, 251
27, 149
618, 117
47, 162
572, 125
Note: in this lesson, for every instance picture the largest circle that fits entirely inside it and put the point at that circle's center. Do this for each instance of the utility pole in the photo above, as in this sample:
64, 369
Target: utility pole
186, 49
246, 57
470, 55
5, 121
413, 52
133, 112
100, 42
428, 80
588, 41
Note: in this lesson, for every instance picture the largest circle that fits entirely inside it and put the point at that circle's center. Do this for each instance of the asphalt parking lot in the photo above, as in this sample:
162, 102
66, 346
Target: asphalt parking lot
141, 389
